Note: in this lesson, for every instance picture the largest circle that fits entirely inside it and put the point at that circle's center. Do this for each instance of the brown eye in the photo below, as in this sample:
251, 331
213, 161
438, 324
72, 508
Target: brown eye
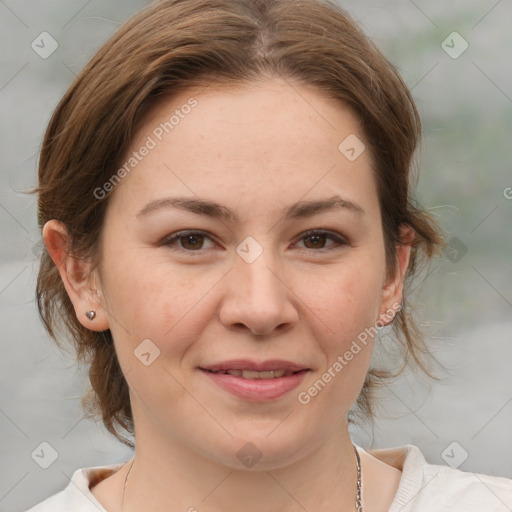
191, 241
317, 240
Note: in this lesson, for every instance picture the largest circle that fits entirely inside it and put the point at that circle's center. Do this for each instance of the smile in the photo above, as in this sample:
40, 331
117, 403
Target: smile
256, 386
248, 374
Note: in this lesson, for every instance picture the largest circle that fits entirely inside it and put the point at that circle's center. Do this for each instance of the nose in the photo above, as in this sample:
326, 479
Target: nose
258, 298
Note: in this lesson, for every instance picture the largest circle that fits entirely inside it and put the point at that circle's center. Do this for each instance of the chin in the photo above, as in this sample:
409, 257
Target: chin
262, 451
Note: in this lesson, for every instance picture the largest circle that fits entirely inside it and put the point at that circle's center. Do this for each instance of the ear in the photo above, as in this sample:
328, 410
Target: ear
392, 292
81, 284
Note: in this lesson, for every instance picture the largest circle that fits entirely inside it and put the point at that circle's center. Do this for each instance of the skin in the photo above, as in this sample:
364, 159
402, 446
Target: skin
269, 144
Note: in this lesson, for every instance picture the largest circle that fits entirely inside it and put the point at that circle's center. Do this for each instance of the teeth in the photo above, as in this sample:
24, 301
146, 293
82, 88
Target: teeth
247, 374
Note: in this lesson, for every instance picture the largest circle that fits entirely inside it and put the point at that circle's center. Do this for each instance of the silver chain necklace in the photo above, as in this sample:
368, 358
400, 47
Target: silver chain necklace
359, 506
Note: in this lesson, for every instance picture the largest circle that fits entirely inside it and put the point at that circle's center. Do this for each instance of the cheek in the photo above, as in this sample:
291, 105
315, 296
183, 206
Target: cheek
347, 305
150, 299
142, 288
348, 298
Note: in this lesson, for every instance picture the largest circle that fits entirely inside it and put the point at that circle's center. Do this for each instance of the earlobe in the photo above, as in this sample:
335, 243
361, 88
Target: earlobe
76, 276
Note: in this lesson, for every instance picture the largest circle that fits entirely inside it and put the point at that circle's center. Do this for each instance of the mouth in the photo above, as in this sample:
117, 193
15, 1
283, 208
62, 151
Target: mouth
248, 369
249, 374
256, 381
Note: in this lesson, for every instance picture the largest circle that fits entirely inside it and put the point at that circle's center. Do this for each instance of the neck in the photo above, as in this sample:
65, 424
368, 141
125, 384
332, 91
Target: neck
324, 479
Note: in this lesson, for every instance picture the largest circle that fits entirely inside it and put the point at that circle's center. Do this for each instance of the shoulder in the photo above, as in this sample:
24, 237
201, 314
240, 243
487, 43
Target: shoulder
461, 490
54, 503
428, 487
77, 495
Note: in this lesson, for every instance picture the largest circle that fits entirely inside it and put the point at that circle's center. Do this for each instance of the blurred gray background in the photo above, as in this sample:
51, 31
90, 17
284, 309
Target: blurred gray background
465, 99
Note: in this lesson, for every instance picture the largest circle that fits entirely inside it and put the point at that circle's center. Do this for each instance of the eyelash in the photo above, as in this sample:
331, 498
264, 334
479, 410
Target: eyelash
339, 240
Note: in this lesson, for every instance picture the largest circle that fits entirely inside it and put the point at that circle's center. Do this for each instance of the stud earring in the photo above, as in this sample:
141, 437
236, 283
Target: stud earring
91, 315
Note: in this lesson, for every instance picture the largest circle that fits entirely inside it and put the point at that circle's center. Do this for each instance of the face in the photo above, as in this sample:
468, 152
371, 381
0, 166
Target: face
185, 286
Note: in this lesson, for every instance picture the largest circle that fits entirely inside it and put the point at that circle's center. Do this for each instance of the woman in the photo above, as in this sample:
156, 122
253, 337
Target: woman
225, 202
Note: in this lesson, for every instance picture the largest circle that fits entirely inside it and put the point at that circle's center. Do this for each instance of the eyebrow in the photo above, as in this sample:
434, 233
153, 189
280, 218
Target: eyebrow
299, 210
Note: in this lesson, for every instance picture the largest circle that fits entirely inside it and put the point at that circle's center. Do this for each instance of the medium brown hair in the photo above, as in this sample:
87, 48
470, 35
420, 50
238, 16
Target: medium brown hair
172, 45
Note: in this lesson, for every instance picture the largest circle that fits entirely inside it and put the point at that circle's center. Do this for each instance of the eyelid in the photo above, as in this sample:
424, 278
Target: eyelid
166, 240
338, 239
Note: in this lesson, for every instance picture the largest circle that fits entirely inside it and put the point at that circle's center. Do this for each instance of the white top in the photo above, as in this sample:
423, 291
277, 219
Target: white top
423, 487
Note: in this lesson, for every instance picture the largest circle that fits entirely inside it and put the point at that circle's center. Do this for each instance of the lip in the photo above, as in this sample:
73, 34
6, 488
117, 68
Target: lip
256, 390
255, 366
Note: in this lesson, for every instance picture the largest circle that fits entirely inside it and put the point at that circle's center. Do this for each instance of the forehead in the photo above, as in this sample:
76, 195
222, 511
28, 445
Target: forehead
258, 108
272, 137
